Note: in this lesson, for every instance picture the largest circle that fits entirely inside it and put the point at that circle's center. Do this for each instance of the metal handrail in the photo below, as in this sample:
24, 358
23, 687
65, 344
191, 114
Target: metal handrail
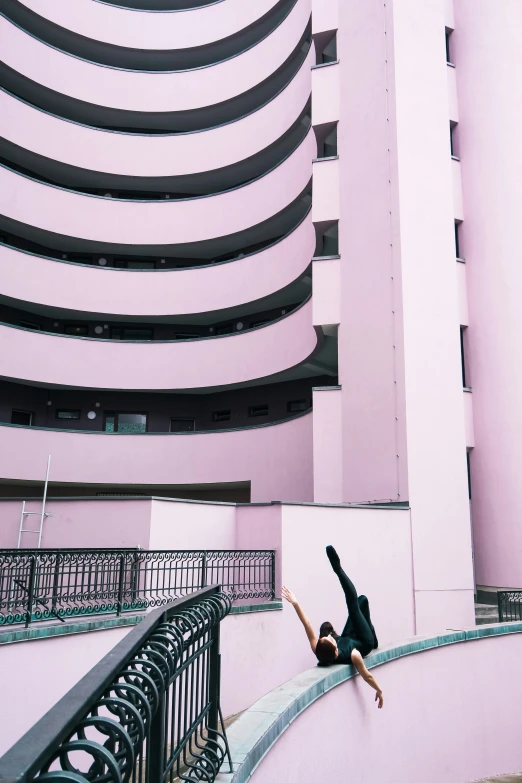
148, 711
47, 584
509, 605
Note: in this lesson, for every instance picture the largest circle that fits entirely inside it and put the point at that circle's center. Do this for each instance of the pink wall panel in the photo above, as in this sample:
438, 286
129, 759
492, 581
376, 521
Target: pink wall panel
452, 94
328, 451
276, 459
325, 94
489, 64
463, 293
435, 425
325, 15
140, 155
70, 286
146, 91
157, 223
325, 204
435, 725
145, 30
110, 364
178, 525
326, 302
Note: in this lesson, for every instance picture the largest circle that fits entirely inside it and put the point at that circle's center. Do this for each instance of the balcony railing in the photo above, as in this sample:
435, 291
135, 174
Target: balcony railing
148, 712
509, 606
44, 584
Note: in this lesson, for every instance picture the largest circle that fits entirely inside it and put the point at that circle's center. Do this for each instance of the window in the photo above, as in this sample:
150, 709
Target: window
182, 425
117, 333
186, 336
294, 406
326, 47
141, 265
221, 415
454, 140
463, 355
457, 240
23, 418
258, 410
30, 325
78, 331
468, 465
67, 414
448, 46
326, 136
255, 324
126, 422
327, 240
226, 329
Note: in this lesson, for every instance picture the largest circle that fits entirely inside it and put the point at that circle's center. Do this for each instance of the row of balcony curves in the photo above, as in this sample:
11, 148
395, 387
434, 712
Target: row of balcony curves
161, 101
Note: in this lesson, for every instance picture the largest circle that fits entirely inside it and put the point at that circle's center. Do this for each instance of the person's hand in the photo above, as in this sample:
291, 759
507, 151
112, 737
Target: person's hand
288, 596
379, 698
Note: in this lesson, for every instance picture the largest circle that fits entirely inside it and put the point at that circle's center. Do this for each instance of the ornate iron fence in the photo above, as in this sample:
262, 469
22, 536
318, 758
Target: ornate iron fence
509, 605
146, 713
58, 583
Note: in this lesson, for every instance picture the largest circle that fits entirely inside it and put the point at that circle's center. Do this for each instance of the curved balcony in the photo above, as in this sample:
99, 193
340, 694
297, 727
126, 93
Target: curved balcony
147, 41
214, 362
68, 287
104, 220
193, 99
276, 459
78, 155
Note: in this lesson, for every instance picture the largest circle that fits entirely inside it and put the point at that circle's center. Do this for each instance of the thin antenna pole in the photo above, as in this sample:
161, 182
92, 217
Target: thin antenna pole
44, 500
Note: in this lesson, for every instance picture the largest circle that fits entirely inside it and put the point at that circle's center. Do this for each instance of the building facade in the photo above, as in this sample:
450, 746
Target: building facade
260, 251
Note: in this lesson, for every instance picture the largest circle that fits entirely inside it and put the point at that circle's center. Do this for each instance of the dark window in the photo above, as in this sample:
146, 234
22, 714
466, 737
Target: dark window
258, 410
138, 334
182, 425
221, 416
79, 331
30, 325
329, 52
468, 465
330, 144
67, 414
294, 406
125, 422
225, 329
448, 46
141, 265
255, 324
24, 418
463, 356
186, 336
116, 333
452, 139
457, 241
328, 241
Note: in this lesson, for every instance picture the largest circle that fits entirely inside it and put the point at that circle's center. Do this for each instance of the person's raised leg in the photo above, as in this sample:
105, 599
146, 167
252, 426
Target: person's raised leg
356, 619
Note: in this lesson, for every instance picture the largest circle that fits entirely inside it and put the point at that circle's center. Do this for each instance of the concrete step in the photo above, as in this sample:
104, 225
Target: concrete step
485, 613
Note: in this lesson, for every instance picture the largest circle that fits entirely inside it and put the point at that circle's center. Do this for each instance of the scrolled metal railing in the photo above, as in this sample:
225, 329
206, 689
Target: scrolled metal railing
146, 713
44, 584
509, 605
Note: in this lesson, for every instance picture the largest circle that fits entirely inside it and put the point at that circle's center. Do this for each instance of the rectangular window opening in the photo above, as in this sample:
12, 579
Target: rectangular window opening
23, 418
182, 425
296, 406
133, 423
221, 415
257, 410
30, 325
448, 46
68, 414
77, 330
463, 355
457, 240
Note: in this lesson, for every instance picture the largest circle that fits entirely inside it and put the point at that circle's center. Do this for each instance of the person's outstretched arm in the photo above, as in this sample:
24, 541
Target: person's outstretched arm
307, 625
358, 662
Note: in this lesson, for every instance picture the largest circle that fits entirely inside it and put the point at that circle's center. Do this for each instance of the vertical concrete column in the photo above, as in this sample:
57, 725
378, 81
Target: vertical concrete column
328, 464
403, 424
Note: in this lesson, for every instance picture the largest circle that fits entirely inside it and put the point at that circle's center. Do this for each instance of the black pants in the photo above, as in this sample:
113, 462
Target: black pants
358, 624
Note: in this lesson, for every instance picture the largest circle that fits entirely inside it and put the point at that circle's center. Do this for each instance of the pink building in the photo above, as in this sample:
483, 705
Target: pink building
267, 251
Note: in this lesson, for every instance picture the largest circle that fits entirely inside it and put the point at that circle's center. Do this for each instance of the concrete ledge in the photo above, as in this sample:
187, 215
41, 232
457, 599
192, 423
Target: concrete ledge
259, 727
269, 606
64, 629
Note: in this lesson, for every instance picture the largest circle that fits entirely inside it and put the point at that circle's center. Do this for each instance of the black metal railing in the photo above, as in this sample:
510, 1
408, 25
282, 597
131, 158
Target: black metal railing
509, 605
146, 713
58, 583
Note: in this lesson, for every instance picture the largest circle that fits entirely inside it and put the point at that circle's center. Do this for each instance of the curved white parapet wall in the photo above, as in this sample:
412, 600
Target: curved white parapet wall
43, 281
39, 357
155, 223
430, 691
276, 459
136, 155
152, 92
154, 31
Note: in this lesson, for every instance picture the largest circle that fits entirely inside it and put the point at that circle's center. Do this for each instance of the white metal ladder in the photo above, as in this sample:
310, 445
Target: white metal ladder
43, 514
